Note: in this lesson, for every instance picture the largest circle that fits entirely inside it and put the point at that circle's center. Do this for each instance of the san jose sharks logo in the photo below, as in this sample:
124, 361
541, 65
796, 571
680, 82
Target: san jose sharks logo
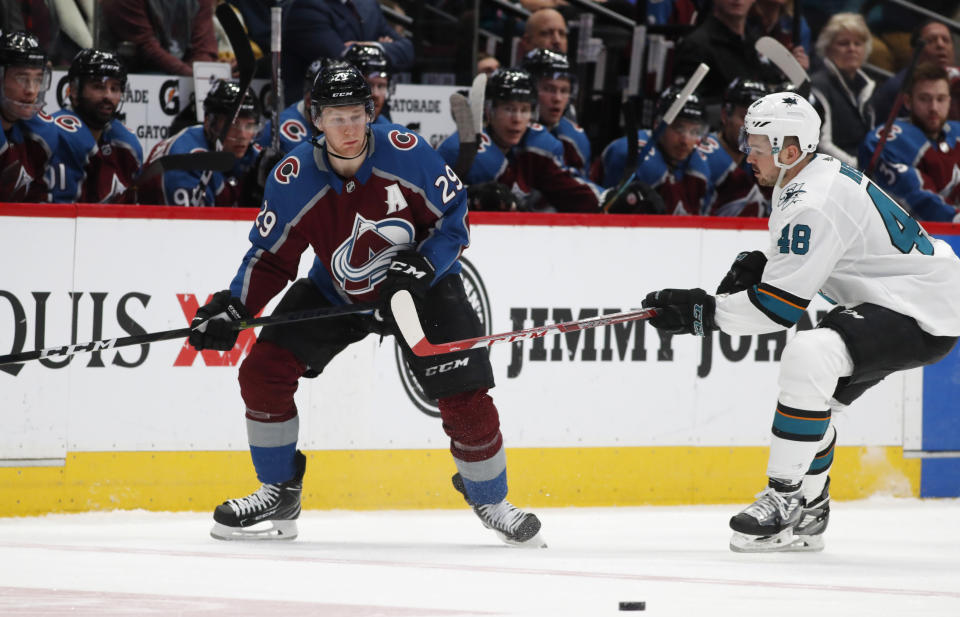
361, 261
791, 194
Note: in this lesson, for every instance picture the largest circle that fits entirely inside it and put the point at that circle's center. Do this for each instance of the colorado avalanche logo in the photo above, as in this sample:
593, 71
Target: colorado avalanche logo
45, 117
403, 140
293, 130
288, 168
70, 124
708, 145
362, 260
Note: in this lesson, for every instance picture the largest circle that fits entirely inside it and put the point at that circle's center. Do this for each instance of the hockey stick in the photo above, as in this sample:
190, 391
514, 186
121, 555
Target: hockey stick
405, 314
245, 66
774, 51
666, 121
795, 33
276, 15
190, 161
468, 115
897, 104
166, 335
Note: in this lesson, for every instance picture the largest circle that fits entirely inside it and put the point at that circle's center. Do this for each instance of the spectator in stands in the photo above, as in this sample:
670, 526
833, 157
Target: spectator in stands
326, 28
674, 168
212, 188
555, 83
919, 162
545, 29
938, 50
674, 12
373, 64
841, 89
721, 42
736, 190
168, 36
518, 163
98, 81
487, 63
26, 137
774, 18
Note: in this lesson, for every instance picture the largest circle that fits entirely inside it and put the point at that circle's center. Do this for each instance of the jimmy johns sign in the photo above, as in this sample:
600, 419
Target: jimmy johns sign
151, 102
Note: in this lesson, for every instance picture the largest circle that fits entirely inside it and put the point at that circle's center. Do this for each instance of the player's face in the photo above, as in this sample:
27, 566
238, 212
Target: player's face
760, 157
732, 123
509, 121
848, 50
733, 8
553, 96
939, 47
378, 87
22, 86
240, 135
345, 129
680, 138
929, 103
99, 100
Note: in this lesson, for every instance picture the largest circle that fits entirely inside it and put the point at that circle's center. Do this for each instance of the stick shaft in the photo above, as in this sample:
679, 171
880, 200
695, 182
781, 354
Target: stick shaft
166, 335
897, 103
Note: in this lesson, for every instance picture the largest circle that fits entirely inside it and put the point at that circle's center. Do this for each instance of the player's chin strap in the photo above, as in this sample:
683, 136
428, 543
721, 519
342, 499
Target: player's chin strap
784, 167
366, 143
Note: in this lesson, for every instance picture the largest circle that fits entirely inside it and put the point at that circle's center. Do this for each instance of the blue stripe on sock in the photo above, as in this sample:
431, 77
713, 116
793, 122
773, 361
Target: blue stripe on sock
488, 491
274, 465
821, 463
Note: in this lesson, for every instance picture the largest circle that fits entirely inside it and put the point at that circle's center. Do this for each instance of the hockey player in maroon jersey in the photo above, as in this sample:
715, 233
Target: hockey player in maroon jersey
381, 212
24, 152
920, 162
98, 81
520, 161
736, 192
673, 168
212, 188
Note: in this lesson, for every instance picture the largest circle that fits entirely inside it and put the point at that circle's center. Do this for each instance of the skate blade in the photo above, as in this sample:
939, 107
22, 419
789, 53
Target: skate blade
266, 530
536, 541
746, 543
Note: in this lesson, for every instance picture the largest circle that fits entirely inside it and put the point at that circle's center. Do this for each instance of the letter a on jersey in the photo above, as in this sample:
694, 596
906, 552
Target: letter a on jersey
395, 200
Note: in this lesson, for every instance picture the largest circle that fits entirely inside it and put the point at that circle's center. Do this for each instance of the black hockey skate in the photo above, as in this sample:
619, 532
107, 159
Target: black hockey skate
268, 514
767, 524
514, 526
808, 534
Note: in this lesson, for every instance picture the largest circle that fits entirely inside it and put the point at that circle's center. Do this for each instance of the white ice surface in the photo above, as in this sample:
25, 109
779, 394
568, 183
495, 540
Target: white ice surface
883, 557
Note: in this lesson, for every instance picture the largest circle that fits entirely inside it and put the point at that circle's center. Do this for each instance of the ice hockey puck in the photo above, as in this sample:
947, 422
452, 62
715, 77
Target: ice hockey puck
633, 606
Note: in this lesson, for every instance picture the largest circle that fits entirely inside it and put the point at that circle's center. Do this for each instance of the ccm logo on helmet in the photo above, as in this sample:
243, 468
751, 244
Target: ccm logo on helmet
403, 141
288, 168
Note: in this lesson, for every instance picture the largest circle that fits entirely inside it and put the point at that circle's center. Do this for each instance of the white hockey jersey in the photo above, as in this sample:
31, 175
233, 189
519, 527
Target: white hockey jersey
833, 232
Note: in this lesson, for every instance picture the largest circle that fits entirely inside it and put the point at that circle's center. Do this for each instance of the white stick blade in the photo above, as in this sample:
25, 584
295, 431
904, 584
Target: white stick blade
774, 51
477, 91
685, 93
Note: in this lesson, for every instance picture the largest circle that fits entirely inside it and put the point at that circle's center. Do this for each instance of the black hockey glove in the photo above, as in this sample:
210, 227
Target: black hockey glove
409, 270
637, 198
211, 325
265, 164
491, 196
682, 311
746, 271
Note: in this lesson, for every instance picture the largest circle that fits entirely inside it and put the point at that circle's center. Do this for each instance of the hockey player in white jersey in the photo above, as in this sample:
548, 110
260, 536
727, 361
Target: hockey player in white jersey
833, 232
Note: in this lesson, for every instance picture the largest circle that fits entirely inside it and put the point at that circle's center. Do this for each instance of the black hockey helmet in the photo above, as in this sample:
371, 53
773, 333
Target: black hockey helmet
223, 96
743, 92
511, 85
338, 86
21, 48
98, 64
315, 67
370, 59
547, 64
693, 108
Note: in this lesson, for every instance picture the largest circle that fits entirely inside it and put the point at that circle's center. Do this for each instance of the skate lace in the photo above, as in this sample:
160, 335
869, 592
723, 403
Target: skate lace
262, 499
504, 515
769, 501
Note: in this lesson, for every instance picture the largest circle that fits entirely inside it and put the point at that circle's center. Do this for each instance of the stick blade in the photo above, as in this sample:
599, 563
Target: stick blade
477, 92
774, 51
462, 117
